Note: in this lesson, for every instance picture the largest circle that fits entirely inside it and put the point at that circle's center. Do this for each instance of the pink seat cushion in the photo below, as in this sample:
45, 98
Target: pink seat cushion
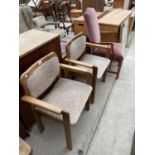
118, 50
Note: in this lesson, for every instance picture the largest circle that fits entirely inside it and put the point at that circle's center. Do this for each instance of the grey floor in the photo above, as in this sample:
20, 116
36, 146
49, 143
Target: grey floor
107, 129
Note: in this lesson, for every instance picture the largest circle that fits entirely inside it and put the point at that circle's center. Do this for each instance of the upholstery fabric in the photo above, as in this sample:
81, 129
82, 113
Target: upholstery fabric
27, 14
39, 21
92, 27
70, 95
63, 49
77, 47
43, 77
101, 63
118, 50
94, 36
22, 25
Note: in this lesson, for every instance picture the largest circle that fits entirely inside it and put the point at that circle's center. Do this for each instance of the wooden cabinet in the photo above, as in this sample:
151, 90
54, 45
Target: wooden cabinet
34, 44
124, 4
78, 23
115, 26
97, 4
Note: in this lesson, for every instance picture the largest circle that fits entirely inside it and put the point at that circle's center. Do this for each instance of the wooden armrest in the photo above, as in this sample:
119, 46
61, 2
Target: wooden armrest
79, 63
96, 45
41, 104
74, 69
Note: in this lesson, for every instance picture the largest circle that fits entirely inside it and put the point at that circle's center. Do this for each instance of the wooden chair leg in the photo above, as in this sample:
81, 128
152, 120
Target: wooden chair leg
87, 107
104, 75
67, 128
94, 78
119, 68
38, 121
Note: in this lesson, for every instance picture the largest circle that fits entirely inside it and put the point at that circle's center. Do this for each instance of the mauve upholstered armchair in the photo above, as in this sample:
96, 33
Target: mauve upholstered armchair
54, 97
116, 53
77, 55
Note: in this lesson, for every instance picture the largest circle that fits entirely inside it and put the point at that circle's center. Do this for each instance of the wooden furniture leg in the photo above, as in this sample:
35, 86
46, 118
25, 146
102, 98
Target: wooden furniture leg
94, 83
67, 128
38, 121
119, 68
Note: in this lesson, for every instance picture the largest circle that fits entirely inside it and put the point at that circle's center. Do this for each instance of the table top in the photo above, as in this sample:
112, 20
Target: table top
81, 18
115, 17
33, 39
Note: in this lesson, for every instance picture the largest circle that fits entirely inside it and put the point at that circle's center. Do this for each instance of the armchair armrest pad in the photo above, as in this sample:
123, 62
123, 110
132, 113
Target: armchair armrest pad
42, 104
75, 69
97, 45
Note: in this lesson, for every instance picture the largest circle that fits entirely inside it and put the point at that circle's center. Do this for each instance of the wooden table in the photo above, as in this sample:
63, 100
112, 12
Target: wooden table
116, 22
33, 45
113, 25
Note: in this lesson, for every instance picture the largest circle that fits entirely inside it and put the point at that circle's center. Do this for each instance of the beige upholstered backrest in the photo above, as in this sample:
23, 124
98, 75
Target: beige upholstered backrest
25, 18
76, 46
22, 24
40, 75
39, 21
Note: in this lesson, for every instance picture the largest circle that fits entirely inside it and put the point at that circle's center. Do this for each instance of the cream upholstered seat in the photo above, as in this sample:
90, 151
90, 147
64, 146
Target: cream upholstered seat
73, 100
116, 50
51, 96
76, 50
101, 63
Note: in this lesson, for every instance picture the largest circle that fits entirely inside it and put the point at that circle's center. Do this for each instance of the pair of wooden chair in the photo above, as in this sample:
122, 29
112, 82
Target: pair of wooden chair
51, 92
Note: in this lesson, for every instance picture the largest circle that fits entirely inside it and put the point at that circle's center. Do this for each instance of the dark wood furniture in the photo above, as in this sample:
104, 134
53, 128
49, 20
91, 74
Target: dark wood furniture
34, 44
124, 4
97, 4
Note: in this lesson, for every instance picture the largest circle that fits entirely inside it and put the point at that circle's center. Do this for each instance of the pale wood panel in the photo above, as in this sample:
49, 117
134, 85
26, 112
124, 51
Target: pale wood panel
34, 39
115, 17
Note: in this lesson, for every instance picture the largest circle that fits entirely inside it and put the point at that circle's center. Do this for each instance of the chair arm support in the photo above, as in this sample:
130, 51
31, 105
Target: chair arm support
41, 104
76, 62
75, 69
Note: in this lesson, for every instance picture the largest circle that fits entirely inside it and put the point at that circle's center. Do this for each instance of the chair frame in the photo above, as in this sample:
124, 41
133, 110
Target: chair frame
94, 68
51, 107
112, 55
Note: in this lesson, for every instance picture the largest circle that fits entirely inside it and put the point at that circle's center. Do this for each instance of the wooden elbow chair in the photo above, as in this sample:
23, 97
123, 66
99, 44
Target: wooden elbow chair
93, 32
61, 10
55, 97
76, 55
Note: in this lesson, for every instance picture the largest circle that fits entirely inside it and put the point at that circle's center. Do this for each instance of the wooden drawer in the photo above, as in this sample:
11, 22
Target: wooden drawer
79, 27
75, 13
